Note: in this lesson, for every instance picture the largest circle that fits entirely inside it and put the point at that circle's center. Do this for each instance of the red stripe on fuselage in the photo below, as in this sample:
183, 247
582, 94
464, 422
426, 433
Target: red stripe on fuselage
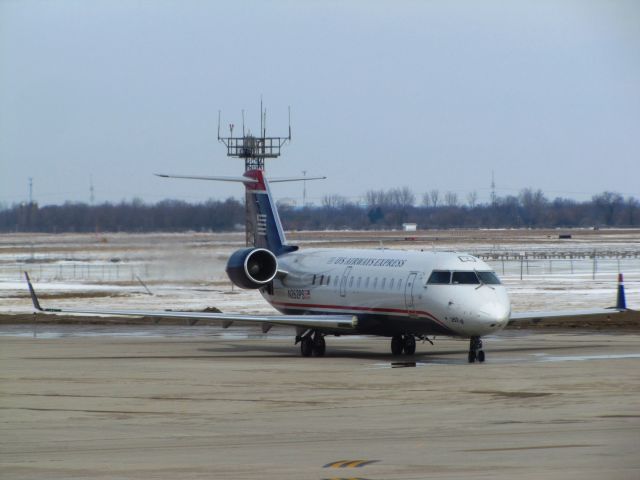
360, 309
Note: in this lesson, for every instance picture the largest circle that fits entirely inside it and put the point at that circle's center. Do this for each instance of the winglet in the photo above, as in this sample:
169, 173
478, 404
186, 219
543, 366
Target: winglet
34, 297
621, 302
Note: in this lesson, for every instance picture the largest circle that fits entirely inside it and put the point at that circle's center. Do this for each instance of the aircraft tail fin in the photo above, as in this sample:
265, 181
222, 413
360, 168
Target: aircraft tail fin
263, 223
264, 228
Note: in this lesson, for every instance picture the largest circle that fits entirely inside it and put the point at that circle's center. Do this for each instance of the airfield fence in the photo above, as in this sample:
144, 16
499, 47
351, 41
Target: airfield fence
506, 263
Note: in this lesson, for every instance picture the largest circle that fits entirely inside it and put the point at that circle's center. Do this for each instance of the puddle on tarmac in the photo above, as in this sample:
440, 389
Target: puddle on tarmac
580, 358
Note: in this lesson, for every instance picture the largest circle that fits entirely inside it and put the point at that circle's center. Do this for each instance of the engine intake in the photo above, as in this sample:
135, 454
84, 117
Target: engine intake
252, 267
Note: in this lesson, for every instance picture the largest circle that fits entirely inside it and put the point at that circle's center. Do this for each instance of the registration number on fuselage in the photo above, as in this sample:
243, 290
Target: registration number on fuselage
298, 293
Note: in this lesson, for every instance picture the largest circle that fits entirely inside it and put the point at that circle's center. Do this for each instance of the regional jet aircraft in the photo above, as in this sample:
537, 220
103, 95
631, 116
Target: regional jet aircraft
404, 295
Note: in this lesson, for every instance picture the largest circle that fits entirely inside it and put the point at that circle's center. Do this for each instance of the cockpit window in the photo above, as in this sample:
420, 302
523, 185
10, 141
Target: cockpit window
445, 277
489, 278
440, 277
467, 278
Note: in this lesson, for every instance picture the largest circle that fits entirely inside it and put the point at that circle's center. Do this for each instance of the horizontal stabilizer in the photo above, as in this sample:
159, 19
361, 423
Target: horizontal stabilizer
294, 179
238, 179
200, 177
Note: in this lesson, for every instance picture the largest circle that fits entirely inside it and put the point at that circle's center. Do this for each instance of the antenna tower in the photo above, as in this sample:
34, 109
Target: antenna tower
304, 189
253, 149
30, 190
493, 189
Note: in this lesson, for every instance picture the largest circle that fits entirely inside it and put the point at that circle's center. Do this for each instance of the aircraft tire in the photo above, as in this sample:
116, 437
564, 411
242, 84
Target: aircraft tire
319, 345
472, 357
481, 356
306, 346
409, 345
396, 345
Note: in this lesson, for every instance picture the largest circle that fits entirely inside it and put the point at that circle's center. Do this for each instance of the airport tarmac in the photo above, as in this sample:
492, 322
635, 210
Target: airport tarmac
132, 402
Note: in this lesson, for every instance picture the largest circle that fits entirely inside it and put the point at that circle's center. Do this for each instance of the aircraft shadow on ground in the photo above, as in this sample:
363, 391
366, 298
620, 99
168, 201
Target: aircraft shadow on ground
255, 351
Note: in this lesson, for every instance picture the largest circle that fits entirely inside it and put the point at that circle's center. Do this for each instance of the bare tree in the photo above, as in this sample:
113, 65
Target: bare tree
607, 204
378, 198
334, 201
533, 204
451, 199
472, 199
402, 197
426, 199
435, 197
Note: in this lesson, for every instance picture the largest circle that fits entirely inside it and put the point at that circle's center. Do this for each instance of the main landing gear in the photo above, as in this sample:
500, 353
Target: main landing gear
403, 343
475, 350
313, 344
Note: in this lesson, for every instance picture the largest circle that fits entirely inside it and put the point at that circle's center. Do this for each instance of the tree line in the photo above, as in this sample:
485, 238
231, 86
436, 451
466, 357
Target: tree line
133, 216
382, 209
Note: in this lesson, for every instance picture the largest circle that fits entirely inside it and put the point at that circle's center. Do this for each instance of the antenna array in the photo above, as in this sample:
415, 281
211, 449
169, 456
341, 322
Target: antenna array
253, 149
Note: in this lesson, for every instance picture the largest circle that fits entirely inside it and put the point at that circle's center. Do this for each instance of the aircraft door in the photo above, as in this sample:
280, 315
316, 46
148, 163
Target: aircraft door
408, 294
343, 281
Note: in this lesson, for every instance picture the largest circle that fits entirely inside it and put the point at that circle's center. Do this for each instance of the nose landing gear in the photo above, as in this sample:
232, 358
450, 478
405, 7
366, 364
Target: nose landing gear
403, 343
475, 350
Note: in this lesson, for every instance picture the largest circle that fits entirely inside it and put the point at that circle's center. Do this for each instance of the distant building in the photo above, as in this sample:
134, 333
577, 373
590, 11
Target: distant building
409, 227
288, 202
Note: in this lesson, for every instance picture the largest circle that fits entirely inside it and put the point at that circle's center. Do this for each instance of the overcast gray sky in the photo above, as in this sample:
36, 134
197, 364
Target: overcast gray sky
427, 94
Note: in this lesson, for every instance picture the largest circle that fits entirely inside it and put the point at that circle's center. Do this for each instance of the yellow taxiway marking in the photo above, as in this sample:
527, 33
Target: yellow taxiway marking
341, 478
349, 463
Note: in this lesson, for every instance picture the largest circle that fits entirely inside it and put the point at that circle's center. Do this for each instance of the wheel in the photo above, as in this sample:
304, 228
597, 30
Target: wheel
481, 356
319, 345
409, 345
306, 346
396, 345
472, 357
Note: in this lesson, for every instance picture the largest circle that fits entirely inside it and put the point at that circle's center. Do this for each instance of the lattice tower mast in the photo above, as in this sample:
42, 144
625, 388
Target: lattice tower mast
254, 150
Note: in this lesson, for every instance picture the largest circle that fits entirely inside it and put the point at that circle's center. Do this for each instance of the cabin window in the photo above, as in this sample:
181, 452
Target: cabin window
465, 278
328, 279
400, 284
384, 280
489, 278
313, 282
358, 283
366, 283
350, 282
440, 277
391, 284
321, 279
375, 283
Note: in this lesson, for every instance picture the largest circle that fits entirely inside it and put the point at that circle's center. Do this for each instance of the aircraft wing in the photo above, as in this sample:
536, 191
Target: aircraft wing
592, 314
331, 322
565, 315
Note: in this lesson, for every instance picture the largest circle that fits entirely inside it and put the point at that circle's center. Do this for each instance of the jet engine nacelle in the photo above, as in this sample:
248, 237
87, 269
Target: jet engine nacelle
252, 267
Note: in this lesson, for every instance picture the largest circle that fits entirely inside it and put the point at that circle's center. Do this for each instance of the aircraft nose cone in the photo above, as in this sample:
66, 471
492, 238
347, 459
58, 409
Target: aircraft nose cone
494, 315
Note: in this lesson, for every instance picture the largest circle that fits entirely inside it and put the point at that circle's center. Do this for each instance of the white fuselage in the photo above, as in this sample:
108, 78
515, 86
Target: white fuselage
389, 291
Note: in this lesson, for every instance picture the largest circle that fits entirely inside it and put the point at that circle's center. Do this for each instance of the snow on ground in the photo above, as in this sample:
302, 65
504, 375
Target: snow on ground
186, 271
